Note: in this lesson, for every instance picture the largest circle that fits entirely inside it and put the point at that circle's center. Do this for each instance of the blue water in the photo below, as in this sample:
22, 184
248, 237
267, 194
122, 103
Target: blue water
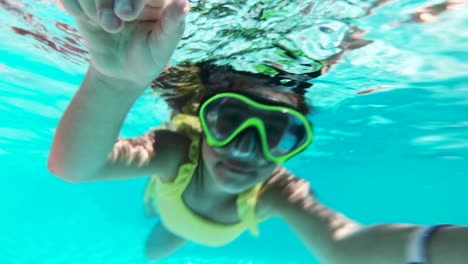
396, 154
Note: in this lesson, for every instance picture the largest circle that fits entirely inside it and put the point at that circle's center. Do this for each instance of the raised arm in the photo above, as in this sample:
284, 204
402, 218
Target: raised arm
336, 239
129, 46
89, 127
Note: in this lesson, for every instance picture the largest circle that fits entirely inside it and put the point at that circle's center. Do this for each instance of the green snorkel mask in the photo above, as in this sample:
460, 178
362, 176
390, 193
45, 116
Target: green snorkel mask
283, 131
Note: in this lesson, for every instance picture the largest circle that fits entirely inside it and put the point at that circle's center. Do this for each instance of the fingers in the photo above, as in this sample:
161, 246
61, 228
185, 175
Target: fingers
128, 10
167, 32
150, 13
106, 15
157, 3
82, 10
174, 15
89, 10
111, 15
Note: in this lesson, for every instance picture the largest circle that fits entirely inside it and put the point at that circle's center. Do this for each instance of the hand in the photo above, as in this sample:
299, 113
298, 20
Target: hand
129, 40
284, 191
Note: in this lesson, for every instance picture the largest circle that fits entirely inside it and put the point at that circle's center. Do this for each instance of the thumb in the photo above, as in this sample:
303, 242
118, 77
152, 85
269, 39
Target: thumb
174, 15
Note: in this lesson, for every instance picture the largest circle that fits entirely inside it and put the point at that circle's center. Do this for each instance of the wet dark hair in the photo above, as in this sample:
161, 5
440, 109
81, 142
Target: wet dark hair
265, 96
186, 85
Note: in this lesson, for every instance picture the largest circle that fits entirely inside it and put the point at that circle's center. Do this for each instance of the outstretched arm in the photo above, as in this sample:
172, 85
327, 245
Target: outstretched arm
336, 239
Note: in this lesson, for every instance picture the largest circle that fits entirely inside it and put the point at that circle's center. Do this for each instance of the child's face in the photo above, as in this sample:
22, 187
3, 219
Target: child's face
246, 139
237, 166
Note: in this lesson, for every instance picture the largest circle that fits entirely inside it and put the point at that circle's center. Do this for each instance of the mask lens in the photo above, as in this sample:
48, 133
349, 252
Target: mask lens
287, 133
223, 117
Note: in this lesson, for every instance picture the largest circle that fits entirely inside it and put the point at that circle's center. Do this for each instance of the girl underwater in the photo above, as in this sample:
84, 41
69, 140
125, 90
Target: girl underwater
218, 165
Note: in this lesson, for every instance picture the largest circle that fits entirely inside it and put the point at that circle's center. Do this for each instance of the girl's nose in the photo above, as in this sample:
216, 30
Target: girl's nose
246, 144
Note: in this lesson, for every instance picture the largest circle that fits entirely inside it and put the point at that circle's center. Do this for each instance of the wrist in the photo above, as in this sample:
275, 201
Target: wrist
283, 209
289, 206
276, 206
119, 84
110, 90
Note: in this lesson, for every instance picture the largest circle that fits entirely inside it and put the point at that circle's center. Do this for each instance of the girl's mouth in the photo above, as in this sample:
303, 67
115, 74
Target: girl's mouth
237, 166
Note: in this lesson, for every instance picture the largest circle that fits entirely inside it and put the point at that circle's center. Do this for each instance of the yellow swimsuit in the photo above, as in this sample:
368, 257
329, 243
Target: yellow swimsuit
178, 218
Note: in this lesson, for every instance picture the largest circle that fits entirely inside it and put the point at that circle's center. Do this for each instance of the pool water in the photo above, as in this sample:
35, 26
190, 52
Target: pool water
390, 120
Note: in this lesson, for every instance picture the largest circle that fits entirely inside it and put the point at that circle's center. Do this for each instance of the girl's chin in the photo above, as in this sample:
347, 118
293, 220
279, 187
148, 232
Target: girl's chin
233, 181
